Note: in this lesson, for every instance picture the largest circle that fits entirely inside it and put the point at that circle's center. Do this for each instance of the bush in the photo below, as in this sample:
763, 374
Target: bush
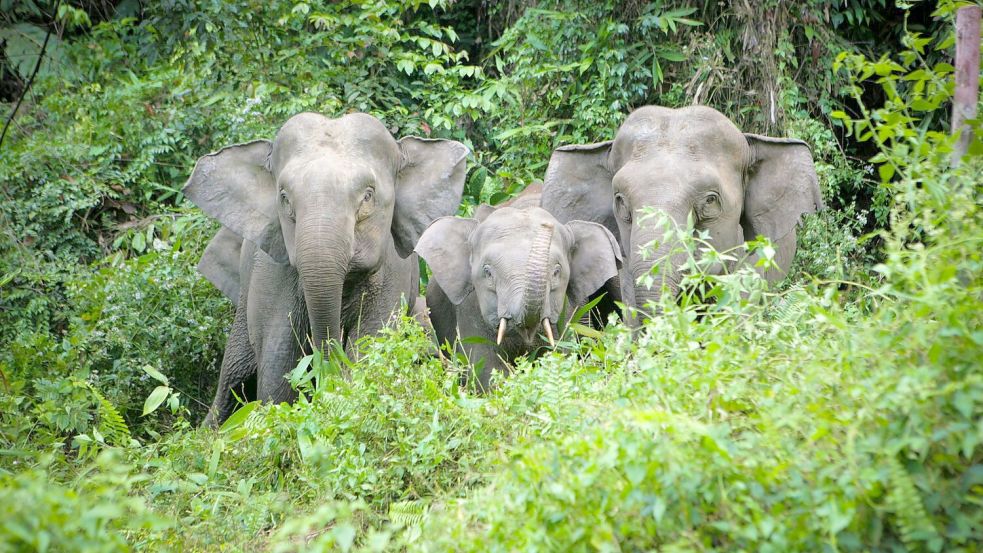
151, 309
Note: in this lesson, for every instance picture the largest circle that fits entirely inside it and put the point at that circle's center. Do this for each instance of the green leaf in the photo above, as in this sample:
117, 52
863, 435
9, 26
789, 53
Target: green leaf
139, 242
155, 374
478, 340
886, 171
584, 330
155, 399
239, 416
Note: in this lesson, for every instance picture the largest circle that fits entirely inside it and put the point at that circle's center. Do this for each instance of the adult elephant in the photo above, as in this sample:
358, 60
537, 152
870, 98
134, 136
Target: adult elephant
323, 221
686, 161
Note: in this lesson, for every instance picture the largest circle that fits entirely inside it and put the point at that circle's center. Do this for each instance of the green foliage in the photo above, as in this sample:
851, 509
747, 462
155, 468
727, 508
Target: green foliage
93, 512
838, 413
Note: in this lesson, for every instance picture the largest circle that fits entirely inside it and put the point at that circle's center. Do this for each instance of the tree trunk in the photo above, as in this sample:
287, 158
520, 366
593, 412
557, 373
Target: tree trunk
967, 77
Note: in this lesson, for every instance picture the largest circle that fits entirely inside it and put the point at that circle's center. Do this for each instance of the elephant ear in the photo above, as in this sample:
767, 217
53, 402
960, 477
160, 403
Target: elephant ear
577, 185
446, 248
595, 258
429, 185
780, 186
220, 263
235, 186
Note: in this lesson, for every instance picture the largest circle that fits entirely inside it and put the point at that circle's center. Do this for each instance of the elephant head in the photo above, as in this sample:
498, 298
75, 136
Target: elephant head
520, 264
685, 162
332, 197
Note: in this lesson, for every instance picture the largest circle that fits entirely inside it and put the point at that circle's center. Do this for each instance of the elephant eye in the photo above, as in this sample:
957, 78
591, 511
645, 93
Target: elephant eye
486, 270
621, 208
365, 207
710, 208
285, 202
556, 271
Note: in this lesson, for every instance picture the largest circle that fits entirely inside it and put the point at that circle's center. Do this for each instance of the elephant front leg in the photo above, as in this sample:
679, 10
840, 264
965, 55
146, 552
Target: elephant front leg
238, 364
283, 346
485, 361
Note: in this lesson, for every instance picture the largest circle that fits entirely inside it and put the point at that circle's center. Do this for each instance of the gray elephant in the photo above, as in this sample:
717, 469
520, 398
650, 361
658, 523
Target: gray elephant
318, 233
687, 161
507, 276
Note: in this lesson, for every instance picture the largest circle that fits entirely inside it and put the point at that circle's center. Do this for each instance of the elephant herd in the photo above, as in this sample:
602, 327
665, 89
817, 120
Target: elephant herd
321, 229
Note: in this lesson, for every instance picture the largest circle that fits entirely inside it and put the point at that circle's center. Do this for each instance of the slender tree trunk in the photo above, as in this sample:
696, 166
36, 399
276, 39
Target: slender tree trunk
967, 77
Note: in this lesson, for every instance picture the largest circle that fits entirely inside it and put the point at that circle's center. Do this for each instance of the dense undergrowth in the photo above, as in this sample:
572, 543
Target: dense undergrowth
840, 412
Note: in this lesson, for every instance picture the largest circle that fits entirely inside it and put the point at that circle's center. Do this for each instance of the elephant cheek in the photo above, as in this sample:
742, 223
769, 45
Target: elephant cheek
289, 229
368, 248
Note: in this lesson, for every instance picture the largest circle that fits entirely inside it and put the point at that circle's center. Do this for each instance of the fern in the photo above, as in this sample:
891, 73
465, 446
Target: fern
408, 513
111, 423
791, 305
913, 523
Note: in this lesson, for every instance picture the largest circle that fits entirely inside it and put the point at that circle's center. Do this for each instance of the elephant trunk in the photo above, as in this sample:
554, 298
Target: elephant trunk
324, 251
660, 265
536, 278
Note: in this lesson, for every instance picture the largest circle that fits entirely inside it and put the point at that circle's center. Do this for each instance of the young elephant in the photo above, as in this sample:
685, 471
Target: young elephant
505, 278
318, 233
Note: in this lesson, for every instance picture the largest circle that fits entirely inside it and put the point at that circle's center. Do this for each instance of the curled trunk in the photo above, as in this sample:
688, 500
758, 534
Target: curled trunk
536, 278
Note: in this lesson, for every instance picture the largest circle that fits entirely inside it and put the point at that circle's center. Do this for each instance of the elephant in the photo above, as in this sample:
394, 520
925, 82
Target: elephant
690, 161
506, 276
317, 238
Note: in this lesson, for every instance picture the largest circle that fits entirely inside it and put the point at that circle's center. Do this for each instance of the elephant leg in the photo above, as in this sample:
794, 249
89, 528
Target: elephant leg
281, 351
442, 314
485, 361
238, 364
279, 329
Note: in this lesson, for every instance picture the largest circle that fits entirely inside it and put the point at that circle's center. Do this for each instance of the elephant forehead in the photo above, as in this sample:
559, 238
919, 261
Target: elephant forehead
694, 132
326, 173
511, 255
354, 136
524, 217
518, 227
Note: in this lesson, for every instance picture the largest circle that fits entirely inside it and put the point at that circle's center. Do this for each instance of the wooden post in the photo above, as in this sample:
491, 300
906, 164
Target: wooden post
967, 77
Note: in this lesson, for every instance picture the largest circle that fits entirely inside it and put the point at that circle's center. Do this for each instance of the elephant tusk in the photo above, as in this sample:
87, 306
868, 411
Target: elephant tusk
549, 331
501, 331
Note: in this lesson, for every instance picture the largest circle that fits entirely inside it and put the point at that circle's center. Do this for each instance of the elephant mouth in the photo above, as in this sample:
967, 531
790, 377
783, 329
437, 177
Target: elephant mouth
525, 335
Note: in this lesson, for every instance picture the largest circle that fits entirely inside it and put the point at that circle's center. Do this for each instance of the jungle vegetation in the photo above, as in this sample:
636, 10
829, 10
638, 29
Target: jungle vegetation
840, 411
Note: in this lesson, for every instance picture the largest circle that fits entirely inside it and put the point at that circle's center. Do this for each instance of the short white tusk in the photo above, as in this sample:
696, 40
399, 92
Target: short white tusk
501, 331
549, 331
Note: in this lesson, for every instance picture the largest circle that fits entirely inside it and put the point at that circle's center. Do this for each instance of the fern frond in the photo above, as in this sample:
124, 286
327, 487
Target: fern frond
111, 423
913, 523
408, 513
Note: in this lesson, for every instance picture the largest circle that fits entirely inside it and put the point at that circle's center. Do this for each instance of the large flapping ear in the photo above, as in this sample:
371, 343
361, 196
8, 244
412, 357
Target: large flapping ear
780, 186
446, 248
220, 263
429, 185
235, 186
578, 185
595, 258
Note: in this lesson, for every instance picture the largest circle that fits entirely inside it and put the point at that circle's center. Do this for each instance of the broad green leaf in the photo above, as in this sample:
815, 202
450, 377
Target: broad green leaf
239, 416
155, 399
155, 374
584, 330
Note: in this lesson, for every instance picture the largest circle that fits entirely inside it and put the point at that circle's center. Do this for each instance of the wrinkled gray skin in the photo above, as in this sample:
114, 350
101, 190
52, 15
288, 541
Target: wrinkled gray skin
513, 264
318, 232
691, 160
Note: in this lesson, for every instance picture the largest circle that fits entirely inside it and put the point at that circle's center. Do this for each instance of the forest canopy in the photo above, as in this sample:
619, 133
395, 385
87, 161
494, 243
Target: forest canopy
839, 410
